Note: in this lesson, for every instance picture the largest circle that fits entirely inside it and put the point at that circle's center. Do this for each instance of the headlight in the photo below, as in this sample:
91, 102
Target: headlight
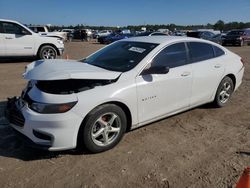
60, 41
44, 108
239, 38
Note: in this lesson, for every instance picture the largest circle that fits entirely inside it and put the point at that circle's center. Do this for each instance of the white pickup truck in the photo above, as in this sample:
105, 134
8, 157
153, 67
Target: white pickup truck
44, 31
18, 40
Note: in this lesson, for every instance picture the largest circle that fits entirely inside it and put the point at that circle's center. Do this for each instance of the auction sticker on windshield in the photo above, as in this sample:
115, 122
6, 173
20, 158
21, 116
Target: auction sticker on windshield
136, 49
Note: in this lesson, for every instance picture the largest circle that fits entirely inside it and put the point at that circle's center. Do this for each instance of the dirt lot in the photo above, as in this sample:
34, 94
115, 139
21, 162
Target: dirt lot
204, 147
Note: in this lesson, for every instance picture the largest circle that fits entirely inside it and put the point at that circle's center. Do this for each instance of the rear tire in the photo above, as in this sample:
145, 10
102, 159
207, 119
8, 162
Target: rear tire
103, 128
224, 92
47, 52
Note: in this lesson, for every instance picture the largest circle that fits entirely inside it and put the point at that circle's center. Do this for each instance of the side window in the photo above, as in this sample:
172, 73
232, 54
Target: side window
200, 51
12, 28
218, 52
172, 56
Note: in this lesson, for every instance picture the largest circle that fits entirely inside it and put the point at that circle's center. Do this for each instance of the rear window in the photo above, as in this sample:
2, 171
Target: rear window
218, 51
37, 29
200, 51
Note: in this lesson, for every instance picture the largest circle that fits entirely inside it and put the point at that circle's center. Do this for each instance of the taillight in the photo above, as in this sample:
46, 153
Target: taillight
242, 61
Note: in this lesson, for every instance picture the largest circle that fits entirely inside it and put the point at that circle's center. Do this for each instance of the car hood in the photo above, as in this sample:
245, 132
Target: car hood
66, 69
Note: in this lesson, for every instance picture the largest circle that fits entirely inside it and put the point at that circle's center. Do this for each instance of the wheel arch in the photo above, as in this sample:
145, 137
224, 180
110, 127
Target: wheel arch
232, 76
123, 106
47, 44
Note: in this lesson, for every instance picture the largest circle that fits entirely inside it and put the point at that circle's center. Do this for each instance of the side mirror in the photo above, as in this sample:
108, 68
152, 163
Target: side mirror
156, 70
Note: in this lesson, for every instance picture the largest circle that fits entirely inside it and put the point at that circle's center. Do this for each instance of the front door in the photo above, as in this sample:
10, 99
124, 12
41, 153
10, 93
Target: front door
161, 94
18, 40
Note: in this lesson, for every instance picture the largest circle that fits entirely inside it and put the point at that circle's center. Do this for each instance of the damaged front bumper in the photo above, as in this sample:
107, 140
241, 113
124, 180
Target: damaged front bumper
16, 119
44, 131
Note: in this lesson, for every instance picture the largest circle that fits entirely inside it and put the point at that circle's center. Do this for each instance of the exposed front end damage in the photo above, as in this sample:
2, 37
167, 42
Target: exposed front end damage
70, 86
44, 113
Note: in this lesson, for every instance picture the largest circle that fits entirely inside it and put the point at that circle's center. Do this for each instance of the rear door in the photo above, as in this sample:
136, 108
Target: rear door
207, 71
2, 45
18, 40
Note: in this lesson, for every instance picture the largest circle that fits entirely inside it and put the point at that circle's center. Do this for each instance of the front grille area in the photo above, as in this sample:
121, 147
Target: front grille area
13, 114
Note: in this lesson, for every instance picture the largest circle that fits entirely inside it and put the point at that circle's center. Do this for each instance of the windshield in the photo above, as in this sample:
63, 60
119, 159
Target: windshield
120, 56
240, 32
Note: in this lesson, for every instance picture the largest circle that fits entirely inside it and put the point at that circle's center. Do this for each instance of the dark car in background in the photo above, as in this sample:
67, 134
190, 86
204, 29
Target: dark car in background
237, 37
218, 38
82, 34
208, 35
118, 35
114, 37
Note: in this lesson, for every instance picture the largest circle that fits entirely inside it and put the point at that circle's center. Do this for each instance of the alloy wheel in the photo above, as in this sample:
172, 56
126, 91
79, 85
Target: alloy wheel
49, 53
106, 129
225, 92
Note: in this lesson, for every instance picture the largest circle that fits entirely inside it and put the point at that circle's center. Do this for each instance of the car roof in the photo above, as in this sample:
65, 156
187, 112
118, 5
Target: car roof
163, 39
5, 20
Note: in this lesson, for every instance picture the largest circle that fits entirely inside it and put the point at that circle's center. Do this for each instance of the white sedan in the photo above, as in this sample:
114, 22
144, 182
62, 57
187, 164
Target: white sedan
130, 83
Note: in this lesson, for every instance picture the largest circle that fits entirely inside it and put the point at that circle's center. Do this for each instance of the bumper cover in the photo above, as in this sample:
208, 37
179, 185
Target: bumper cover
60, 50
10, 114
61, 128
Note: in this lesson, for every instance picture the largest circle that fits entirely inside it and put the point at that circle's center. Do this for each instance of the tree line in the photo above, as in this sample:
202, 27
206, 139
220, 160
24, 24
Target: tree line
219, 25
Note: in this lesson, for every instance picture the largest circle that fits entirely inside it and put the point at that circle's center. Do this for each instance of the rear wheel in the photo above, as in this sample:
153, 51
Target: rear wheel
47, 52
224, 92
104, 128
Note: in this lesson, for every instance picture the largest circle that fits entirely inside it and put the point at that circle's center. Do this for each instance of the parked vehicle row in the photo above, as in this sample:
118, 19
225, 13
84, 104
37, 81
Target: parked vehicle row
115, 36
18, 40
239, 37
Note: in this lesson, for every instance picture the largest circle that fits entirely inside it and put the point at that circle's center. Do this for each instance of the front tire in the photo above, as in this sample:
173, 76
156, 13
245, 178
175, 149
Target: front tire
104, 128
224, 92
47, 52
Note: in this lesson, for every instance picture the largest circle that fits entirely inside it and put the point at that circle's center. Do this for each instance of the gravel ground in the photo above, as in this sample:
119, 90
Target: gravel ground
203, 147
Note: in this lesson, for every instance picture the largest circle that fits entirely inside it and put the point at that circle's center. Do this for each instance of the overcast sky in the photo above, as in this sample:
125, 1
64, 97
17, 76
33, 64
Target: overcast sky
126, 12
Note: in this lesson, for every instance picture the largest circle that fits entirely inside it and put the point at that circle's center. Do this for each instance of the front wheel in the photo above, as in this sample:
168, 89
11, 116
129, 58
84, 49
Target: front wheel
47, 52
104, 128
224, 92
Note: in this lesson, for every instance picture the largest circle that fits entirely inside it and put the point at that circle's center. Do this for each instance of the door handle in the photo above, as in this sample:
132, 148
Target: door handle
217, 66
185, 74
8, 38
